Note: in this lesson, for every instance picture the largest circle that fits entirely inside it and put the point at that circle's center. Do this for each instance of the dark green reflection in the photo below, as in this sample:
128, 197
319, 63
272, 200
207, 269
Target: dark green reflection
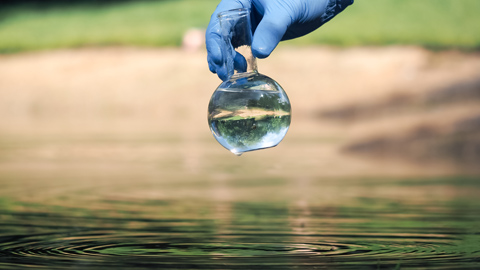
270, 102
246, 134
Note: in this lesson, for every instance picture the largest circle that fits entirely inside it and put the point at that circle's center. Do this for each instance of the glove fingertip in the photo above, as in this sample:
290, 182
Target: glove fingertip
268, 34
240, 63
261, 51
263, 45
222, 74
212, 67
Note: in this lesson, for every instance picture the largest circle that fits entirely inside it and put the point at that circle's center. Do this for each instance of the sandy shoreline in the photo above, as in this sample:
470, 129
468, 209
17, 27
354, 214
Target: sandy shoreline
131, 92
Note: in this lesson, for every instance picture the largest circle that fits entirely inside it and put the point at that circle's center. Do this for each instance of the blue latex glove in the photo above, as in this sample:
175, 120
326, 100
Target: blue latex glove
272, 21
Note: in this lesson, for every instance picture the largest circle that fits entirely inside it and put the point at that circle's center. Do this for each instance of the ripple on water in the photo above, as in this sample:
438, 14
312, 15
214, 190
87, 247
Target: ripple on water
204, 234
343, 251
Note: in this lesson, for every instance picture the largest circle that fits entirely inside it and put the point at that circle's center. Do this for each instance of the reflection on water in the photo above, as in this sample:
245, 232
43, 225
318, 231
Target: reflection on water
247, 134
238, 223
252, 114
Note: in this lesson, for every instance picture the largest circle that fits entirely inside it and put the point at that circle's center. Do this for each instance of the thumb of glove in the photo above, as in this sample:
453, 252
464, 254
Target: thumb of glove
269, 32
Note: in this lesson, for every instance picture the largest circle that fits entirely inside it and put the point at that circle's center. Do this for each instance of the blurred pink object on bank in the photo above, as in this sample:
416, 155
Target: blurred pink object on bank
193, 39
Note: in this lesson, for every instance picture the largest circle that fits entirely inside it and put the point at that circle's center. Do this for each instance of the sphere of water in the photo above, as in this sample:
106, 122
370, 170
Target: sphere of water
249, 112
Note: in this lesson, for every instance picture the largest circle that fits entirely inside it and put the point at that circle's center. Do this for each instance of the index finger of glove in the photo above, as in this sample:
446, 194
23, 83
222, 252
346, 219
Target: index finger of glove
269, 32
213, 35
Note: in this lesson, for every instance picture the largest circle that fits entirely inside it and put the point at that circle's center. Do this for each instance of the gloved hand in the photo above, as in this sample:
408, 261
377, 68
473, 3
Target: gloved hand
272, 21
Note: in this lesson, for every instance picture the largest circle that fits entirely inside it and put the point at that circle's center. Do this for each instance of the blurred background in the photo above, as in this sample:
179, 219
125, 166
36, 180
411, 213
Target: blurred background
103, 113
388, 82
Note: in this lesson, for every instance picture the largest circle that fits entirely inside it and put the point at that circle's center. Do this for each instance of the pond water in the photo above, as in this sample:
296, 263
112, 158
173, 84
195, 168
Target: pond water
139, 204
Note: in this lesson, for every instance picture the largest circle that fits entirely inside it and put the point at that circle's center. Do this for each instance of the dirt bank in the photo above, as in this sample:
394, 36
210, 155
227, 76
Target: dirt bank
355, 97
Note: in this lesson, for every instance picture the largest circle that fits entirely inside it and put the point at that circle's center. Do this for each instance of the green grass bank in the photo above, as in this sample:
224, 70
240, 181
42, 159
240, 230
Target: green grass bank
431, 23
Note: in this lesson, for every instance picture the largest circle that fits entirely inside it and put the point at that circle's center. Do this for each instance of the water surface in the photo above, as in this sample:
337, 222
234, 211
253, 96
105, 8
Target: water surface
99, 217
